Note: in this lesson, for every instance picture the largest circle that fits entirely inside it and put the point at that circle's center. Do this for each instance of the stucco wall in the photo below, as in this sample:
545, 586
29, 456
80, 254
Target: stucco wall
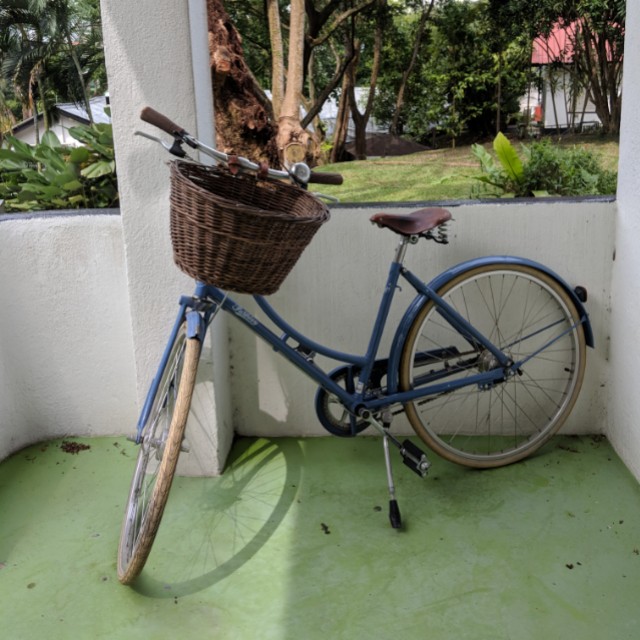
60, 369
66, 341
333, 293
150, 62
624, 401
66, 362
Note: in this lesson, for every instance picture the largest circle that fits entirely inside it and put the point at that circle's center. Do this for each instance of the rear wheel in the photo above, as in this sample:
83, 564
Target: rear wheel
158, 456
531, 318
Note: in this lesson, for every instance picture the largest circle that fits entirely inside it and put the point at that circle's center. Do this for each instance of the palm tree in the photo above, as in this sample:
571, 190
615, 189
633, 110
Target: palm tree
52, 46
73, 29
21, 55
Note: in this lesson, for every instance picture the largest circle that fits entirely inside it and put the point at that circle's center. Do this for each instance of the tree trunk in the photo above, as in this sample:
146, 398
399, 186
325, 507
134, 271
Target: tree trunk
499, 94
426, 12
341, 129
245, 118
277, 56
243, 113
83, 84
294, 143
45, 114
599, 66
361, 120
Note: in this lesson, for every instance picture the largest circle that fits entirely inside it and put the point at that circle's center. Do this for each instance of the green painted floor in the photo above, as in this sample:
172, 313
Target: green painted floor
546, 549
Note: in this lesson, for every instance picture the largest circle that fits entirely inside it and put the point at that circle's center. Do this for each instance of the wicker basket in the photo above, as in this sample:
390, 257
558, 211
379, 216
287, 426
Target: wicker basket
237, 232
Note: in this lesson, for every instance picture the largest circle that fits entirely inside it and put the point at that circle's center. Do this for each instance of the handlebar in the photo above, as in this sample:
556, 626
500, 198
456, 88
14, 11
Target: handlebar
161, 122
299, 172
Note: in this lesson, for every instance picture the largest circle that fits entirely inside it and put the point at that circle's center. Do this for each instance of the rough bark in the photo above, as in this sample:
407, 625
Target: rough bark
295, 144
243, 113
246, 122
342, 123
277, 56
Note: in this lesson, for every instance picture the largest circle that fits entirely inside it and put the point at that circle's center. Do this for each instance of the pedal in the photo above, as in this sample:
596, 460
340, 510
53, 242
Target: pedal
415, 458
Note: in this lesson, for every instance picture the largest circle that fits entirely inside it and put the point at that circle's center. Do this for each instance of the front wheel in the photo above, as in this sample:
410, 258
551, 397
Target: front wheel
531, 318
158, 456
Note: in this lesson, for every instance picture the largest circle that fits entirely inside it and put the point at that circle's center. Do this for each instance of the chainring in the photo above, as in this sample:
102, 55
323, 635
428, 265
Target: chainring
333, 415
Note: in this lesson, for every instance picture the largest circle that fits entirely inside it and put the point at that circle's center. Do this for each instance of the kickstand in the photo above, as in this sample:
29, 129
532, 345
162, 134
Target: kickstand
394, 510
412, 456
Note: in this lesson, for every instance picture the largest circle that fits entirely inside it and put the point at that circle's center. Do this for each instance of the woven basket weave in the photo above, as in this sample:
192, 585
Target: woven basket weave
237, 232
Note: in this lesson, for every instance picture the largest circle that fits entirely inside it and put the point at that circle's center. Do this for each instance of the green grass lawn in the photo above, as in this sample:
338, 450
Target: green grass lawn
441, 174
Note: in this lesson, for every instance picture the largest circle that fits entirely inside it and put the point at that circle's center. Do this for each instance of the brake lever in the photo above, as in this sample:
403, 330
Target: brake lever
324, 196
143, 134
175, 148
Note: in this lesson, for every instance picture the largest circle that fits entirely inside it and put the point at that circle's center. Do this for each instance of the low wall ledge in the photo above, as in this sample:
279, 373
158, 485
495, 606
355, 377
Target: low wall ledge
493, 202
59, 213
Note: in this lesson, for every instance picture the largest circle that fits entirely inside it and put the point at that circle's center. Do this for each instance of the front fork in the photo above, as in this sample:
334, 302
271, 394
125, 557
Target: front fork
197, 317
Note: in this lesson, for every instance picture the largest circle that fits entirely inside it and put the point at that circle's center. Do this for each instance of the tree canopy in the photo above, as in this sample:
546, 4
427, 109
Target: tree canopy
435, 69
50, 51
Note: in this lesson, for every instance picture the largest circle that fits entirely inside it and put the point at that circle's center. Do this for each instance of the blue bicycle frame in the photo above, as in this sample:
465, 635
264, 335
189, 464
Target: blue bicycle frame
200, 308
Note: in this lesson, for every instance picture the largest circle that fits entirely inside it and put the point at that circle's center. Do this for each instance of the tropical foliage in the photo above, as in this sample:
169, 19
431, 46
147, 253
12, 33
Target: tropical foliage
50, 51
546, 170
439, 71
52, 176
594, 49
469, 78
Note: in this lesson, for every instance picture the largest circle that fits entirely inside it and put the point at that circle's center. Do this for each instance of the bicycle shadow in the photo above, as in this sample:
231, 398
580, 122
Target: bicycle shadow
213, 526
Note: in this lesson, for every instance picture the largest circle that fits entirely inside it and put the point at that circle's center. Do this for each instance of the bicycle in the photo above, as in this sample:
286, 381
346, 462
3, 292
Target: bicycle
487, 360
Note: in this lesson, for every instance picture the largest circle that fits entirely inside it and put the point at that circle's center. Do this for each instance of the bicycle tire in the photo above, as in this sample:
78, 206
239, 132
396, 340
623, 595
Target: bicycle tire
505, 422
161, 444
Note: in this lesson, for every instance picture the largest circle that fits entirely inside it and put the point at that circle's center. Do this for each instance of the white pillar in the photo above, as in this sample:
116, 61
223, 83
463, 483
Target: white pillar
150, 62
624, 403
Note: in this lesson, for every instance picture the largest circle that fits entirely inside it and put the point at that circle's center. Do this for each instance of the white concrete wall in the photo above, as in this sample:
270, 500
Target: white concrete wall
66, 363
150, 62
66, 340
624, 399
56, 366
332, 293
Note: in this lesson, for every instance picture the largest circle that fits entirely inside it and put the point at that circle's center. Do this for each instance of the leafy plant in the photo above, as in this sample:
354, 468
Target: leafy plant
506, 178
566, 172
546, 170
50, 175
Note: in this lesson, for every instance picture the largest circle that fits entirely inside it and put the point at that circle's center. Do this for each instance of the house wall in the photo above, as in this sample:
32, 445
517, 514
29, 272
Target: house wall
60, 126
559, 110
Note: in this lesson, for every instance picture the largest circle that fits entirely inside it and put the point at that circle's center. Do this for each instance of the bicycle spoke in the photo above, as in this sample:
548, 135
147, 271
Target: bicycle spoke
531, 320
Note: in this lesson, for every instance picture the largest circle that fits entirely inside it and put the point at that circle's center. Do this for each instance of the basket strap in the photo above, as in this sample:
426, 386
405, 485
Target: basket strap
233, 165
263, 171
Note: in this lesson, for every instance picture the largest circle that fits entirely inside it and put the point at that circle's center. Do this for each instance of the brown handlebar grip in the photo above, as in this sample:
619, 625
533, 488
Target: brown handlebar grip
162, 122
320, 177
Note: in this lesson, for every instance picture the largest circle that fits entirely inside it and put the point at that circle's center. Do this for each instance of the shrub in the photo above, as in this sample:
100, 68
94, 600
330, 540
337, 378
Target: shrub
547, 170
50, 175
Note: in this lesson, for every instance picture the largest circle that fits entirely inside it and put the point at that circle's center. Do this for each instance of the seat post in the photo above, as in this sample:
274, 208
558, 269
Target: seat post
401, 249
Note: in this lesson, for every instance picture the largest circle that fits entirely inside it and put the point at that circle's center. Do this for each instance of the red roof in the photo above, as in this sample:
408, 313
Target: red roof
558, 47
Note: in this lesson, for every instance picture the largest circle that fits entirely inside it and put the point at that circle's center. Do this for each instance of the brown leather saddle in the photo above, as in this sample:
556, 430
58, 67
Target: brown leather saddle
415, 223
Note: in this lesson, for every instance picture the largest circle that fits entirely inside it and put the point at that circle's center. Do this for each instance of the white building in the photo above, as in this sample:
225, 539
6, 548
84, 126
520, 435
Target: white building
63, 117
